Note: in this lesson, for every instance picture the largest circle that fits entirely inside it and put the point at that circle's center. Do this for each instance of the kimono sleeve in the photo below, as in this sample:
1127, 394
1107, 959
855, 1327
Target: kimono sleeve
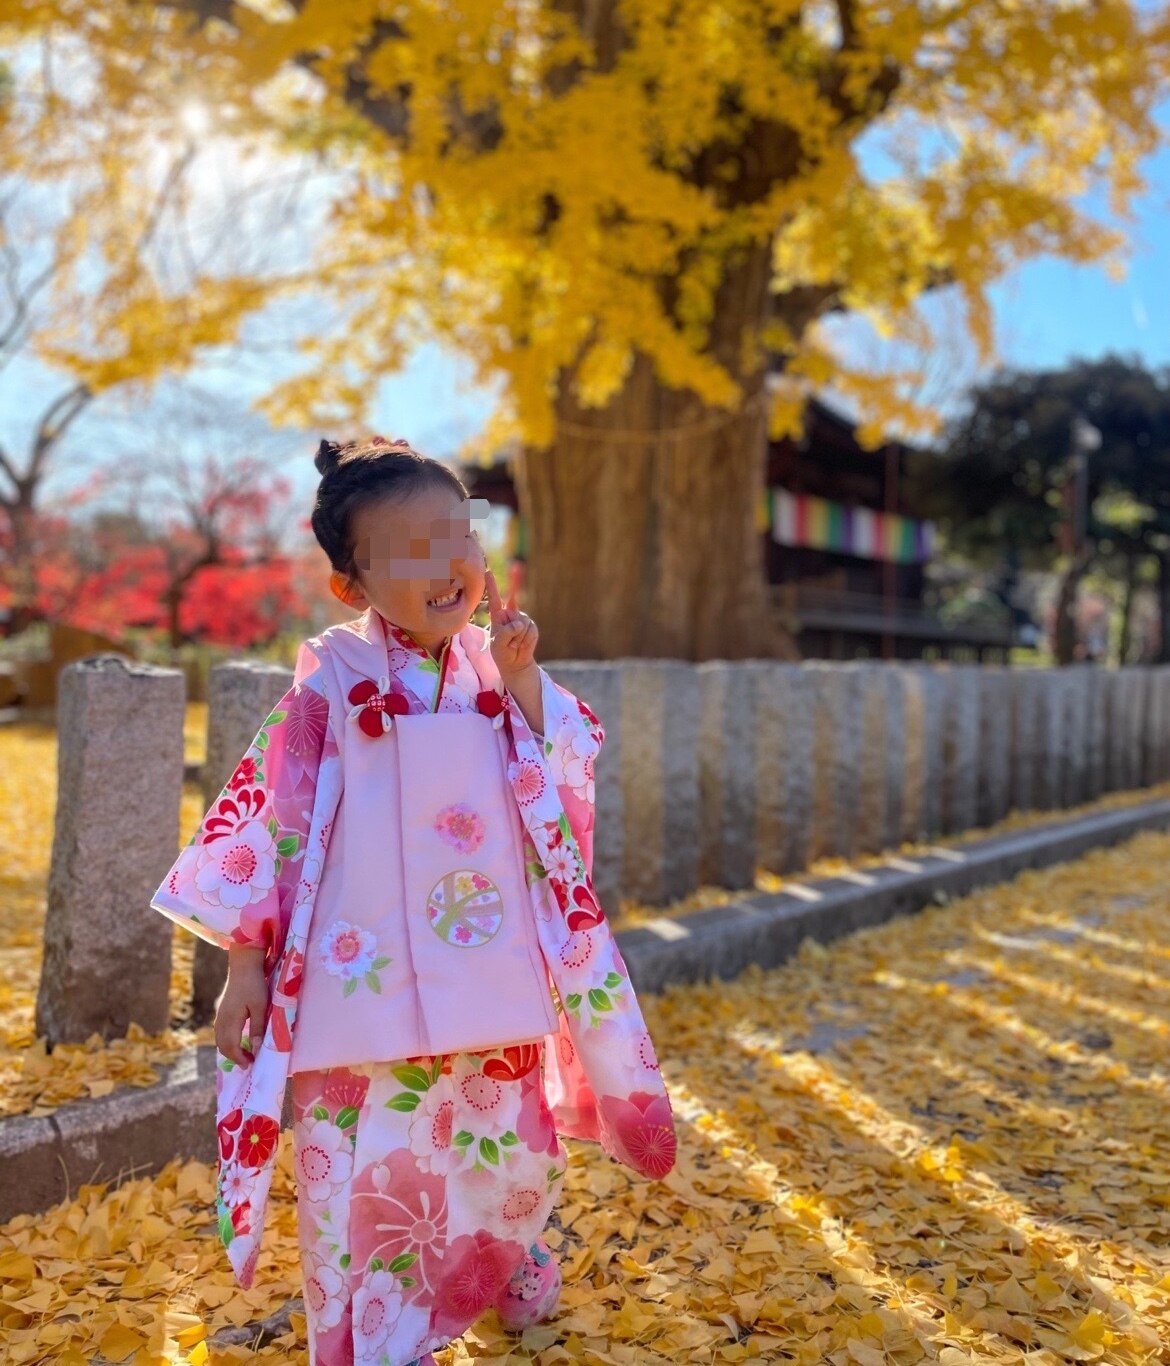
236, 881
572, 739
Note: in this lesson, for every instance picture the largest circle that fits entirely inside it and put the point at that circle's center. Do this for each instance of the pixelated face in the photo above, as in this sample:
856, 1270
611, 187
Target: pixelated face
419, 561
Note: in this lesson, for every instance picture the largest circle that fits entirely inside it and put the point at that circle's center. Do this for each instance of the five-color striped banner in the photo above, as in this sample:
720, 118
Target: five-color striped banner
798, 519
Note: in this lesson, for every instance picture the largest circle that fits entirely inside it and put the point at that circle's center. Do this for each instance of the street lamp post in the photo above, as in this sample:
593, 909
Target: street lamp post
1085, 439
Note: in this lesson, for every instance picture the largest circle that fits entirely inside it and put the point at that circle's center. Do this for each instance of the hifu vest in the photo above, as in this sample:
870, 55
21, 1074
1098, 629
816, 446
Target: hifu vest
422, 938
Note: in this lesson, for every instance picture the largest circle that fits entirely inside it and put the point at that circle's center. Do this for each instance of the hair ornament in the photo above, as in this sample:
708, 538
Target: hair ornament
328, 454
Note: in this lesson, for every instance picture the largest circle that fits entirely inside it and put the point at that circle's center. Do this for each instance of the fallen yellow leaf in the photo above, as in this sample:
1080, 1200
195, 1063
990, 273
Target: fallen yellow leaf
119, 1342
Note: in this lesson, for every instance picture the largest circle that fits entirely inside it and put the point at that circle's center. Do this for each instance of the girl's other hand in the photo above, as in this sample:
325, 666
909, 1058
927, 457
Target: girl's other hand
513, 633
245, 998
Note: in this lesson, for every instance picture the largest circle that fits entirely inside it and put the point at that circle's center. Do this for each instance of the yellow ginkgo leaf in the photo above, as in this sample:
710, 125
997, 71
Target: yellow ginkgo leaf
119, 1342
864, 1354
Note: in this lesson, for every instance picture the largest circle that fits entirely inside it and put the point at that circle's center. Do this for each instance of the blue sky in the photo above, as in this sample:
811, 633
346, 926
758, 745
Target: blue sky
1051, 311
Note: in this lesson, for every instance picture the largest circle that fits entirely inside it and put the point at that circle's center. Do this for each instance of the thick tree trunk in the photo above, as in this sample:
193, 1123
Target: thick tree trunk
1130, 591
1164, 607
20, 570
644, 537
1065, 643
174, 602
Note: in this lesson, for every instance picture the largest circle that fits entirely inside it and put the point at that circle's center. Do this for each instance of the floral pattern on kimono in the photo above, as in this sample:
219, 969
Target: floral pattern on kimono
251, 873
420, 1186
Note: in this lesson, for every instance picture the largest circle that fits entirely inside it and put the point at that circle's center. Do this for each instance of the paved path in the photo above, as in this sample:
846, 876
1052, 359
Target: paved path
946, 1139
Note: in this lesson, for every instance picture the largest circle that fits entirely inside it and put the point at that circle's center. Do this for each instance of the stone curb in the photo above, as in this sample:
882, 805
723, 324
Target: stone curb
131, 1132
134, 1132
767, 929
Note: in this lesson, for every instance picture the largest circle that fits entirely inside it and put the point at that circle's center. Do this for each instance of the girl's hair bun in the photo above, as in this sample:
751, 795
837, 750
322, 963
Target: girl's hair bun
327, 457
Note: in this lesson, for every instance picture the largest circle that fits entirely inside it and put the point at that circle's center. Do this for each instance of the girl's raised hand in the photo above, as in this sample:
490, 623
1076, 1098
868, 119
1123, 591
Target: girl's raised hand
513, 633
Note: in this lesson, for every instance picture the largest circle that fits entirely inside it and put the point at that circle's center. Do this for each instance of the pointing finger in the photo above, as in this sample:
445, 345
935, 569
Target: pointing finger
495, 606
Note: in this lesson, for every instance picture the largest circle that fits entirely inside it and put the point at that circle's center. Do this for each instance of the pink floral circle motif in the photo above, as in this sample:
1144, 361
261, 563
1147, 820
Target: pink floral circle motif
461, 827
307, 721
527, 781
481, 1093
465, 909
398, 1208
521, 1204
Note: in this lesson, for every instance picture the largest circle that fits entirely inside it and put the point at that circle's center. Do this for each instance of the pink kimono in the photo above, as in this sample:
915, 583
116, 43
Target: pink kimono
444, 988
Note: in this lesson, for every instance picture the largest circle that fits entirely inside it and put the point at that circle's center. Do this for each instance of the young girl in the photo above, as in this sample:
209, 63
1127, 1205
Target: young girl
399, 869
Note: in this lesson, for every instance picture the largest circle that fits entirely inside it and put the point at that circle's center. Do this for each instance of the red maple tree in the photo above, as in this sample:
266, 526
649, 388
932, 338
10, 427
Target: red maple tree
218, 576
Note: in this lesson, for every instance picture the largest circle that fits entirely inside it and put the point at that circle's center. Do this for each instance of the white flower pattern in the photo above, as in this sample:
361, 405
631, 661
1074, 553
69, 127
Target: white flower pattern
324, 1158
432, 1127
489, 1108
325, 1293
377, 1303
236, 1186
236, 870
576, 749
563, 862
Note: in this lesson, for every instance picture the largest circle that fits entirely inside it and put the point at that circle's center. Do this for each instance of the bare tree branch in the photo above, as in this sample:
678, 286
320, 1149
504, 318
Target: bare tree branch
21, 294
846, 18
799, 307
171, 182
203, 11
64, 409
61, 412
11, 472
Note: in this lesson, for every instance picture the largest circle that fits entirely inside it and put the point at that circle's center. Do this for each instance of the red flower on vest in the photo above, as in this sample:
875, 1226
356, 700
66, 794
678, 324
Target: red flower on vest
494, 706
370, 703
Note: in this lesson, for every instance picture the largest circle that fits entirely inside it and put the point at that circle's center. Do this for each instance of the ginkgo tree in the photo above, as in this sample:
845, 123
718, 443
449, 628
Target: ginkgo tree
634, 210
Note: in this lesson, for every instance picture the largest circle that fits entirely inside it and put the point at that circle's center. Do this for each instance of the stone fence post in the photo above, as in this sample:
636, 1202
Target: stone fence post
837, 709
921, 698
1096, 737
107, 960
660, 778
727, 775
1157, 747
995, 744
240, 695
1125, 722
1075, 740
1055, 690
1027, 737
961, 703
880, 761
783, 764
